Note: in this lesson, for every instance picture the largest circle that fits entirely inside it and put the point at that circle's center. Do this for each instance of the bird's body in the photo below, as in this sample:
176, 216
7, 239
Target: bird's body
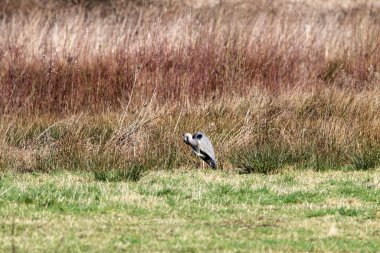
202, 147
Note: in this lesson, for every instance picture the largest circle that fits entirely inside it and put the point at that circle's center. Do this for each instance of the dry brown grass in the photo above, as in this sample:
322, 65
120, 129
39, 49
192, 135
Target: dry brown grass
263, 132
112, 84
67, 58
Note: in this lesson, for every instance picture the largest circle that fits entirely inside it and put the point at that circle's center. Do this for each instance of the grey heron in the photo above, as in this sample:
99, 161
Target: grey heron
202, 147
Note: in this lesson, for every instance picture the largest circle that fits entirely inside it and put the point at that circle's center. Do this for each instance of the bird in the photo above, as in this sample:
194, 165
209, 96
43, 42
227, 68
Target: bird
202, 147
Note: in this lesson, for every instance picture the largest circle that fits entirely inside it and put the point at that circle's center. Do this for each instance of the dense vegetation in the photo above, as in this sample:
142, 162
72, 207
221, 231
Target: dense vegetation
111, 85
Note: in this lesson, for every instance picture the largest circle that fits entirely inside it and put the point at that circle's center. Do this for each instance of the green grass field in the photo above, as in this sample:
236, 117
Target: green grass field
191, 211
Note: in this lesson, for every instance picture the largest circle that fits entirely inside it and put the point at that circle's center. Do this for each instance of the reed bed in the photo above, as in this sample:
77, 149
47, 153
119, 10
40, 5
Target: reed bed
109, 86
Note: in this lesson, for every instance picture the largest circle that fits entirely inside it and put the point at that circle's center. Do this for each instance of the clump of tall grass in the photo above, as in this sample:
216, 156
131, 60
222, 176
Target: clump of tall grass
264, 159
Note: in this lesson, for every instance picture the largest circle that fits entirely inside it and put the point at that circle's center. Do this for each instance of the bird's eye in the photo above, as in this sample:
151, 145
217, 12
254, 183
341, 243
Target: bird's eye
199, 136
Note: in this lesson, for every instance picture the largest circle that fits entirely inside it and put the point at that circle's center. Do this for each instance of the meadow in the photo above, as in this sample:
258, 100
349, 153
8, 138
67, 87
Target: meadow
95, 96
191, 211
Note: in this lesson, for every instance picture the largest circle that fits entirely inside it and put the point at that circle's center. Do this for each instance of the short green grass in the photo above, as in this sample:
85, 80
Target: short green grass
191, 211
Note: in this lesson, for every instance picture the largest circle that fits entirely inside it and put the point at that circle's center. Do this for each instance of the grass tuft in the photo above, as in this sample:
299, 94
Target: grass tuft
260, 160
132, 171
366, 159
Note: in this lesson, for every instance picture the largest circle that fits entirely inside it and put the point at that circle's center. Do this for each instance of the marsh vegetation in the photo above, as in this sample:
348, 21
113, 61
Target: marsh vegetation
96, 94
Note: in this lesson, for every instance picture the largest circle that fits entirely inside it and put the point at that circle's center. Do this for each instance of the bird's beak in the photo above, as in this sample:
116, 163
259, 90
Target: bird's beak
184, 139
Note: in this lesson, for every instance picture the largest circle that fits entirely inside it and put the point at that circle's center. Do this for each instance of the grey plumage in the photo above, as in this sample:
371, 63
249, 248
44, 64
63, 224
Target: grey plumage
202, 147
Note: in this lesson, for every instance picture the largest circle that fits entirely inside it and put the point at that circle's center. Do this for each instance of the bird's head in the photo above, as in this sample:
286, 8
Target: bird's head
187, 137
